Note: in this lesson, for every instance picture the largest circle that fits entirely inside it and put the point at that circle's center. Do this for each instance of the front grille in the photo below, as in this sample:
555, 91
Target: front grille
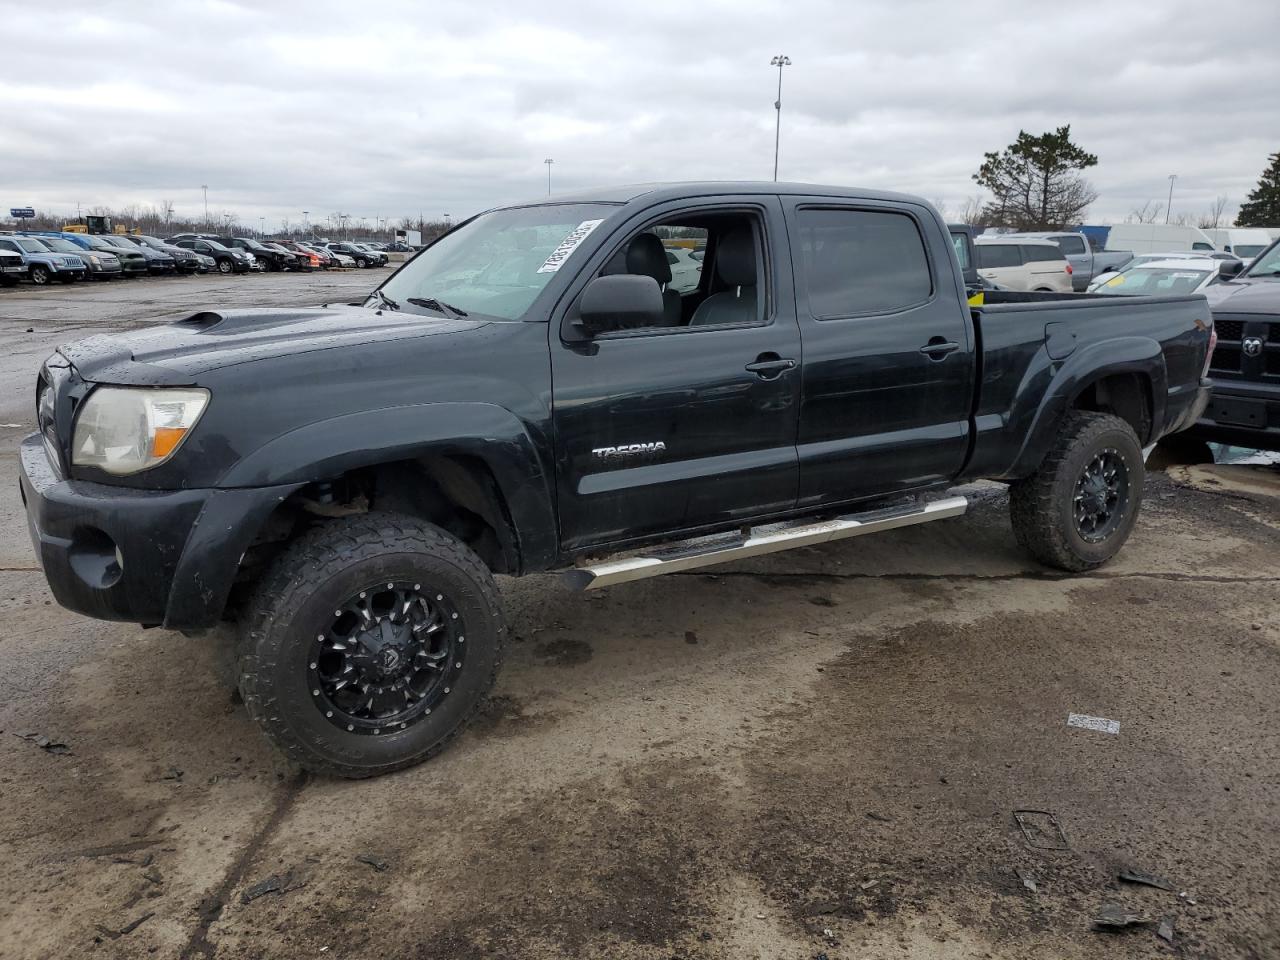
1226, 359
1273, 333
1272, 365
1229, 329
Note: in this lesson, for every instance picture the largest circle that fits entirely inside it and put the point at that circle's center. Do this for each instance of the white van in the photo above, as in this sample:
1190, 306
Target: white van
1245, 242
1157, 238
1022, 263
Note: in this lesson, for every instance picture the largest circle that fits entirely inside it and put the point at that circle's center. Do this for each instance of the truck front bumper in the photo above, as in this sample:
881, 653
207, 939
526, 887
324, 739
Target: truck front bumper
155, 557
1242, 415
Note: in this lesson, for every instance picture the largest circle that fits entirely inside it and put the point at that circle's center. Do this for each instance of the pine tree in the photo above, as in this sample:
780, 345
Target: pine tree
1262, 209
1035, 182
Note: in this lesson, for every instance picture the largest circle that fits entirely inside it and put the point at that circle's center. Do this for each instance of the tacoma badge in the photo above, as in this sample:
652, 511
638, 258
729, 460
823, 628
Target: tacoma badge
629, 450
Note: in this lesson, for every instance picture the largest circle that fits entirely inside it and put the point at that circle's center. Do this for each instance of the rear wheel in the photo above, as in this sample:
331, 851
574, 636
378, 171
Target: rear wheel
369, 644
1079, 507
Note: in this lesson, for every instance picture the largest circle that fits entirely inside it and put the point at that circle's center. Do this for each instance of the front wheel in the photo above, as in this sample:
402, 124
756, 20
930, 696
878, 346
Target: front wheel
369, 644
225, 266
39, 274
1079, 507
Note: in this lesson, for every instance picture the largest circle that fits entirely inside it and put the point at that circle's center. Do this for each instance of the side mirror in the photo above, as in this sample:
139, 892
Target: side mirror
1229, 268
620, 302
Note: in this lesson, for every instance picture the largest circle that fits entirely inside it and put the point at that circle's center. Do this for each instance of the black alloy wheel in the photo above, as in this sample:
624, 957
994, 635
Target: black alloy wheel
1101, 496
390, 654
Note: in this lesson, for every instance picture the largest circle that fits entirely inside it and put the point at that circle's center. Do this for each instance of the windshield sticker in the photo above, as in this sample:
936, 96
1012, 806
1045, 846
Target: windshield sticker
570, 243
1187, 276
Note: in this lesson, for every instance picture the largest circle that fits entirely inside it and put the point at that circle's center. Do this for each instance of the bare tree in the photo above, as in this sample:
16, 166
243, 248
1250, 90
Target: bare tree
971, 210
1149, 212
1212, 220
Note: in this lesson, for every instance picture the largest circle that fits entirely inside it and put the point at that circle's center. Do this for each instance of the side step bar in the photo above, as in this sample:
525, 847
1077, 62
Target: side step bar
769, 539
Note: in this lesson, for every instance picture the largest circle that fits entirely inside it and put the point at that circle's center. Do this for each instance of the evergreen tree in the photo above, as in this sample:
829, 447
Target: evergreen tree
1262, 209
1035, 182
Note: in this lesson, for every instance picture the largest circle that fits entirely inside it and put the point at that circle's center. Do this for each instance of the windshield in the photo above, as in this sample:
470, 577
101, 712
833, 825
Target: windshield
60, 245
1248, 250
499, 262
97, 243
1267, 264
962, 249
1155, 281
30, 245
250, 243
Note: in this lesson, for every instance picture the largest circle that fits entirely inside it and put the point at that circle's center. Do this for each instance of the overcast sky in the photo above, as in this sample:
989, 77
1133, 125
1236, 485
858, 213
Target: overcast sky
389, 108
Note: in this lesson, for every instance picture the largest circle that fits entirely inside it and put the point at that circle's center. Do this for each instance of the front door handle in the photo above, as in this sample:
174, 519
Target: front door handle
770, 365
939, 349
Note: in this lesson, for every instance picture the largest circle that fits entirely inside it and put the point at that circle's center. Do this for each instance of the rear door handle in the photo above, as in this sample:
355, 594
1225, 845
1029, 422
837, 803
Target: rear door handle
770, 365
939, 349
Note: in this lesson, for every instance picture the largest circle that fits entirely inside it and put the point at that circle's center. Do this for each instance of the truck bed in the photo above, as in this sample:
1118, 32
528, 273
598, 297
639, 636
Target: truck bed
1052, 345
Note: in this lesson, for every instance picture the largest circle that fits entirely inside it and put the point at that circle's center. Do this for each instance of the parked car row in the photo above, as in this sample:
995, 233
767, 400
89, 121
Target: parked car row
43, 256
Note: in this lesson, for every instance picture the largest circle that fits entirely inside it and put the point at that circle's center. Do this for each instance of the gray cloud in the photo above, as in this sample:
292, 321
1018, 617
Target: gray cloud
391, 108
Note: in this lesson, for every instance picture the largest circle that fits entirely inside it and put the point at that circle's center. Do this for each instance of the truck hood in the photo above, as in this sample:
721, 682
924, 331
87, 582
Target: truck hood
175, 354
1246, 295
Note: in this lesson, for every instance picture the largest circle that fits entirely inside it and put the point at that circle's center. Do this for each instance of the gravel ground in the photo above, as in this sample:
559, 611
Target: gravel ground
815, 754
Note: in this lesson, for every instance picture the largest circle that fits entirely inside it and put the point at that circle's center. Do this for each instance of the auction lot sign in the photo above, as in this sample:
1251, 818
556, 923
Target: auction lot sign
22, 213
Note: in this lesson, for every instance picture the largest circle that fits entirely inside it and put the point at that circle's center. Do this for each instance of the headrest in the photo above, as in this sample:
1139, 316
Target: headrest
647, 257
736, 258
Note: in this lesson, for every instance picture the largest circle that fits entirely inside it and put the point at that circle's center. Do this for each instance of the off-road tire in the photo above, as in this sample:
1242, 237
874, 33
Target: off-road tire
1041, 506
298, 591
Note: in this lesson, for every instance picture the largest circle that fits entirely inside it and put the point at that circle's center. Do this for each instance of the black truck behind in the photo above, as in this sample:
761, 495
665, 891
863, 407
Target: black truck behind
531, 392
1245, 409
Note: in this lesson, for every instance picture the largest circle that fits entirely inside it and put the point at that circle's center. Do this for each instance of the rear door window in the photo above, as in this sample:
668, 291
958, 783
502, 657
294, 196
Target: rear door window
992, 255
862, 262
1041, 253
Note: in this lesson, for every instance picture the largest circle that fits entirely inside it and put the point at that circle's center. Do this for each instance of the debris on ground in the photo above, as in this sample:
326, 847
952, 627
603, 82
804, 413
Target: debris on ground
1144, 879
381, 866
690, 637
1028, 881
1165, 930
882, 818
126, 929
276, 883
1041, 830
822, 601
153, 876
173, 773
1116, 916
868, 885
1100, 724
44, 743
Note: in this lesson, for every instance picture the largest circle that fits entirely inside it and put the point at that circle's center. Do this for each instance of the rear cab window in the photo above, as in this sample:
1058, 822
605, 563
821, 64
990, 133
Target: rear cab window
1070, 245
860, 262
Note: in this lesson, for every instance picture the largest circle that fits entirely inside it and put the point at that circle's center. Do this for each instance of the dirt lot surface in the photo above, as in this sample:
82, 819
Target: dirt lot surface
816, 754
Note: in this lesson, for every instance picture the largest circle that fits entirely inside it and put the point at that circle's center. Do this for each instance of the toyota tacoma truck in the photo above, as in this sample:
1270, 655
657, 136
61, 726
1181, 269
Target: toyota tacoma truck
528, 393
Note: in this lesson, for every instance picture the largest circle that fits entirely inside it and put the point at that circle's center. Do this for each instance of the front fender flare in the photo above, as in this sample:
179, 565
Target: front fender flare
329, 448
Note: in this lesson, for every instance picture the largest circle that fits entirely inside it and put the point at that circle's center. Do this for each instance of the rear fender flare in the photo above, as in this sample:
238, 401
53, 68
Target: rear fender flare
329, 448
1140, 355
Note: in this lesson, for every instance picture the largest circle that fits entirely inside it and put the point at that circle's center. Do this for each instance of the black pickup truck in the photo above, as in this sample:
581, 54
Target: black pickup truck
1245, 409
531, 393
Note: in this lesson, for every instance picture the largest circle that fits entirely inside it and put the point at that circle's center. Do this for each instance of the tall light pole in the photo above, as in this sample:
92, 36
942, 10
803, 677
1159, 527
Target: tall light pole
306, 223
204, 187
780, 61
548, 162
1168, 208
262, 226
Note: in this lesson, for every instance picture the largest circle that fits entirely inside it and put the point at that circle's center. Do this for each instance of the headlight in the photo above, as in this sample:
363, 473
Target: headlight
123, 430
95, 260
